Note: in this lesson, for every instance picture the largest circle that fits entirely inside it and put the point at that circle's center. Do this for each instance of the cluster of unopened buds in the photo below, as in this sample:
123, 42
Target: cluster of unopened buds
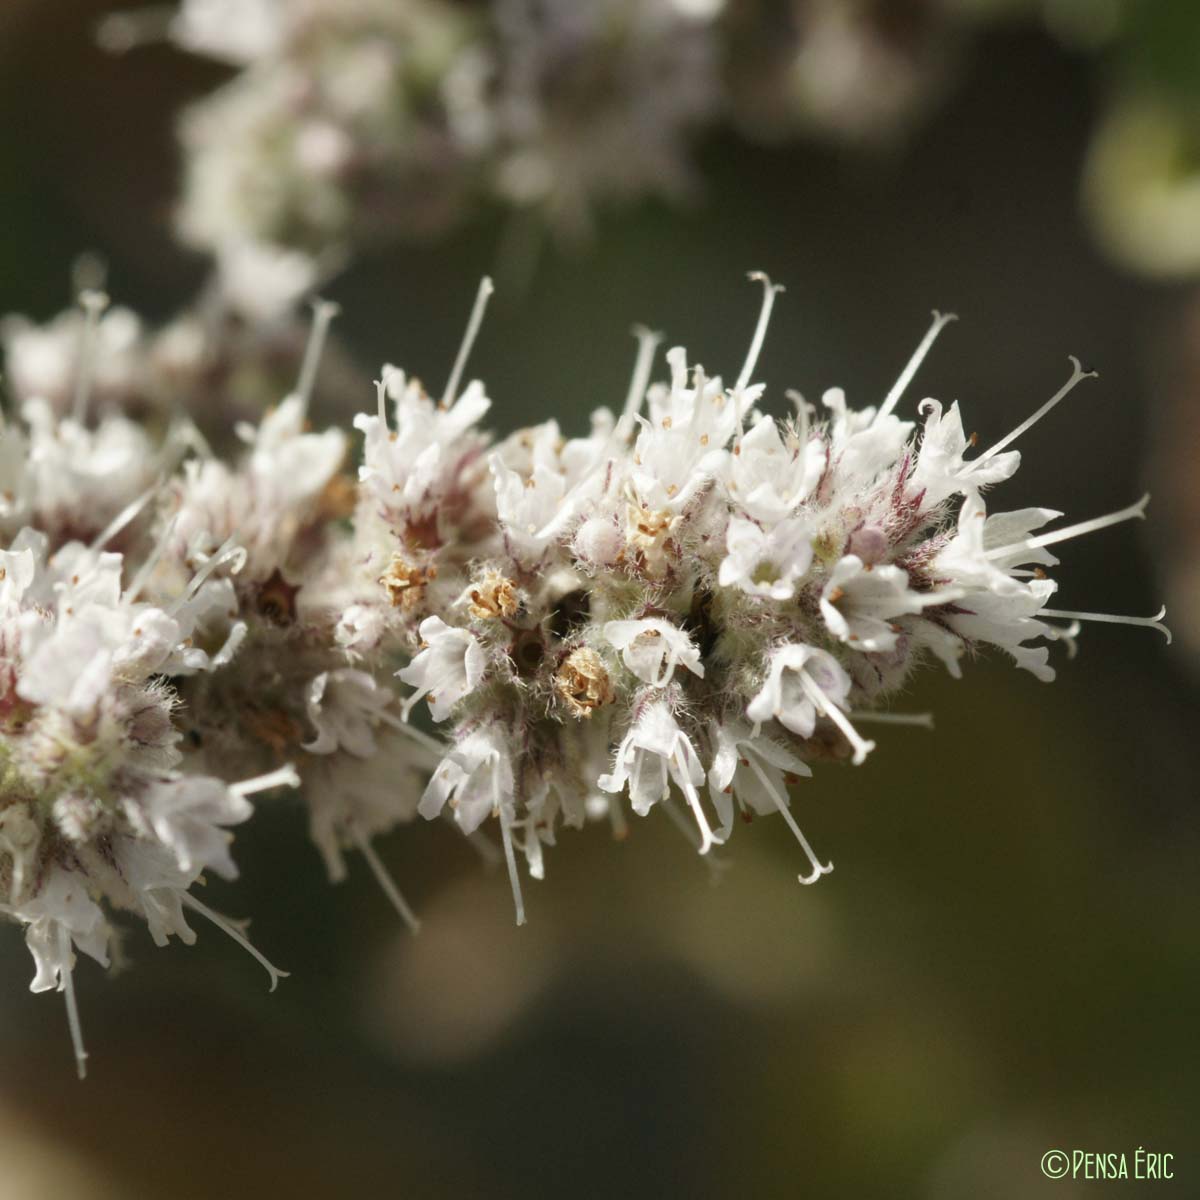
681, 610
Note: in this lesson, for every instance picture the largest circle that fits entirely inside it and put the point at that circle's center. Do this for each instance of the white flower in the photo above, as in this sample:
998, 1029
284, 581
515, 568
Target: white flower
802, 684
941, 470
475, 779
681, 443
860, 602
344, 707
654, 754
768, 478
188, 816
62, 914
653, 648
526, 506
766, 562
448, 668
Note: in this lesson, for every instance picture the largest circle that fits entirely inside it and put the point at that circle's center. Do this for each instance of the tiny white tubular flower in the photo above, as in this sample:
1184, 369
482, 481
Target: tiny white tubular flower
526, 506
985, 551
412, 466
654, 754
188, 816
60, 914
941, 470
768, 478
863, 446
449, 667
652, 648
681, 443
802, 684
859, 603
475, 779
344, 706
766, 562
289, 465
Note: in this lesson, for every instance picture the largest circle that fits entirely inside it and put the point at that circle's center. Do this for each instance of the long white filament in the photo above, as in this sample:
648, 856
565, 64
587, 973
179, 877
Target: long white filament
827, 708
818, 868
67, 953
770, 291
464, 351
1078, 374
920, 720
285, 776
123, 518
648, 343
228, 928
1154, 622
510, 858
323, 313
93, 304
384, 879
228, 551
1133, 512
940, 321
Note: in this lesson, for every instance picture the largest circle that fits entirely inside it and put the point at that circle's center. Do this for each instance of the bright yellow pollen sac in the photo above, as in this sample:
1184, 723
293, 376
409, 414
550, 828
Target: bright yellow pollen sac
583, 682
493, 597
405, 582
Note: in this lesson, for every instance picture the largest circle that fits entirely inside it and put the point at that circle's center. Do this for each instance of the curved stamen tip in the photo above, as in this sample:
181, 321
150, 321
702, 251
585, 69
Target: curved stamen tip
943, 319
765, 279
818, 870
1079, 371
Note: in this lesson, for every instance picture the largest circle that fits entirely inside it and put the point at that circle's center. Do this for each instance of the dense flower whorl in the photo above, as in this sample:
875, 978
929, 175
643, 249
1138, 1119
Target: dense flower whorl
683, 609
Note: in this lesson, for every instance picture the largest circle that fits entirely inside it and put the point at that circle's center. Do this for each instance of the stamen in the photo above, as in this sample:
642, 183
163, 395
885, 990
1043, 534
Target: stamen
818, 868
481, 299
1133, 512
940, 321
230, 929
127, 514
770, 291
920, 720
225, 553
648, 343
323, 313
708, 839
1078, 374
93, 304
67, 983
384, 879
835, 714
435, 749
514, 879
1154, 622
285, 776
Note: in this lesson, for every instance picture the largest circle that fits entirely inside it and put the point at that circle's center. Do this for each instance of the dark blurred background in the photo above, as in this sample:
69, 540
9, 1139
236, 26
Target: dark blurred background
1007, 958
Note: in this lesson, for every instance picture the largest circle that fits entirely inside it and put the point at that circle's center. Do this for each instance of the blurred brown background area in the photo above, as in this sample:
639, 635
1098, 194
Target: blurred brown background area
1007, 957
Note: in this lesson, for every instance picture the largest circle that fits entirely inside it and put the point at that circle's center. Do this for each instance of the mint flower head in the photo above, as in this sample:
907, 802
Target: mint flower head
682, 611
